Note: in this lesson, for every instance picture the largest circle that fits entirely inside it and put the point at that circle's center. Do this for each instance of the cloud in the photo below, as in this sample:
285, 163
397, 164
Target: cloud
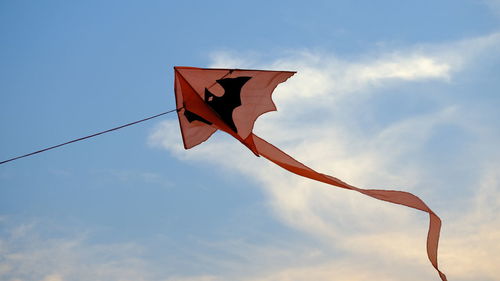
399, 153
27, 254
470, 244
53, 277
321, 74
195, 278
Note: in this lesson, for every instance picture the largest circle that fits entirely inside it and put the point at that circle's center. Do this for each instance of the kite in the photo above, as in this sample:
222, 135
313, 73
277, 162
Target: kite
231, 100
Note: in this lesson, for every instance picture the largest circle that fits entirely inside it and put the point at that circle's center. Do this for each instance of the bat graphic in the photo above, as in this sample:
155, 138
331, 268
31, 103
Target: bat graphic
225, 104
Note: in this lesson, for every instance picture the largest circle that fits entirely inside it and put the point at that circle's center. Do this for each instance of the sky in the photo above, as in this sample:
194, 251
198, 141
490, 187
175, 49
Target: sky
388, 94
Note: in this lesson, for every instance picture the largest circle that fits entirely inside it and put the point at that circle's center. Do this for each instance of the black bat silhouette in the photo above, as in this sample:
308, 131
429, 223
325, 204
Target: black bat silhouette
225, 104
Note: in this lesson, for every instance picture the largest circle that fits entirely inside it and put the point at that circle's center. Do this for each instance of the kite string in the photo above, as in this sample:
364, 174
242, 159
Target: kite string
89, 136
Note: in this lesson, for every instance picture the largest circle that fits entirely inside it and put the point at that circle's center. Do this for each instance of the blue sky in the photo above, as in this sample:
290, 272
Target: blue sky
387, 95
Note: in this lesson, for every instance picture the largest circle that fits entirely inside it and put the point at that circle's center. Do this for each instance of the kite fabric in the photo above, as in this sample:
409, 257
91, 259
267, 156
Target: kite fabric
231, 100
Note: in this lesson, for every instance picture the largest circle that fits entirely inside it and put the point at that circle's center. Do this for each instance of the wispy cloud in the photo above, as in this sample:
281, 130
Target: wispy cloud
27, 254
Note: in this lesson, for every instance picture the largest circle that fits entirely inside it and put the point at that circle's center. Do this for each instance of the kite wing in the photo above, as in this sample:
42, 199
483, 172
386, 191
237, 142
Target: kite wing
232, 99
223, 99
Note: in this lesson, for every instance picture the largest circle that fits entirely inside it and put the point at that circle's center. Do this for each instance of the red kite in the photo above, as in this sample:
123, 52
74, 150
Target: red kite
231, 100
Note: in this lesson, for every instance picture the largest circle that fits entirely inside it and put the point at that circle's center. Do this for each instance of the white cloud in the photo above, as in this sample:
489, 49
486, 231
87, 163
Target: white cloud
195, 278
469, 247
53, 277
471, 242
26, 254
321, 74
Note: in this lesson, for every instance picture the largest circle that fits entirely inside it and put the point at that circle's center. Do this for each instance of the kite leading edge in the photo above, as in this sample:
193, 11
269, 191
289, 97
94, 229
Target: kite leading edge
231, 100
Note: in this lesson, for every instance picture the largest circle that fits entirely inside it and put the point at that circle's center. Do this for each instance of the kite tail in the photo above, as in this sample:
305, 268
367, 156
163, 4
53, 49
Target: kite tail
285, 161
